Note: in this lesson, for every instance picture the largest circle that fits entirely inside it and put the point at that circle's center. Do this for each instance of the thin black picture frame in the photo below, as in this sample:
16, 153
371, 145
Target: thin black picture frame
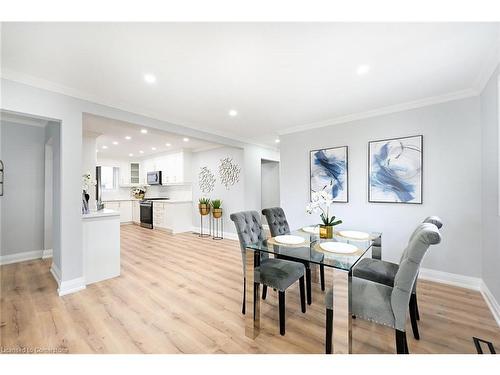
347, 170
421, 169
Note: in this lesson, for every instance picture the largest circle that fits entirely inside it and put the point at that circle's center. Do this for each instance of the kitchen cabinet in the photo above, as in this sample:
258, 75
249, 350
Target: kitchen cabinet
159, 215
175, 167
136, 212
123, 207
176, 217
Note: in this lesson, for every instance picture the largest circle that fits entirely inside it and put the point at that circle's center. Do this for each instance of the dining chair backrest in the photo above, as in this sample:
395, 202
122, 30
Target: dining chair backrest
429, 219
249, 229
426, 235
276, 219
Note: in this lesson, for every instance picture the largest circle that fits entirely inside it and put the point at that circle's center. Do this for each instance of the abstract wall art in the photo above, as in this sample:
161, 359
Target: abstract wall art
229, 172
206, 180
395, 170
328, 169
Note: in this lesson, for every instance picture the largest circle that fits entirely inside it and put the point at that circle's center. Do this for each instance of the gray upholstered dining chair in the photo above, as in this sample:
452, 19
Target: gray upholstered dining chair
384, 304
275, 273
278, 226
384, 272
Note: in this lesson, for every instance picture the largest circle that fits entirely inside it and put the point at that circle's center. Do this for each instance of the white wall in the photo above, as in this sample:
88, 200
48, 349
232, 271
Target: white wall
490, 169
270, 184
23, 154
233, 199
21, 98
451, 181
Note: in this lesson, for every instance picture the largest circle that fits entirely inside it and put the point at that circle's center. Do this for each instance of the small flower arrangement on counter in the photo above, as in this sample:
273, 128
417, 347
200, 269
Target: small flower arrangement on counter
139, 192
87, 183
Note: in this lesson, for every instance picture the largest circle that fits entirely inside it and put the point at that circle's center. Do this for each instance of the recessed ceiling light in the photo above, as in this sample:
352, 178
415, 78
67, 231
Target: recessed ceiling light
153, 148
185, 139
141, 152
363, 69
96, 150
115, 143
168, 144
233, 112
149, 78
130, 155
144, 131
128, 137
277, 140
104, 147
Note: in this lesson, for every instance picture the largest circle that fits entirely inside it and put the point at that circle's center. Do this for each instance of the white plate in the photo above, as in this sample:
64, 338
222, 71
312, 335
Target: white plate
338, 247
288, 239
313, 230
355, 235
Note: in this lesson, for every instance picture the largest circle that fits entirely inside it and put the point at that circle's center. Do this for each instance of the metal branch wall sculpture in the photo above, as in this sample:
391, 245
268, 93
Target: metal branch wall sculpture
206, 180
229, 172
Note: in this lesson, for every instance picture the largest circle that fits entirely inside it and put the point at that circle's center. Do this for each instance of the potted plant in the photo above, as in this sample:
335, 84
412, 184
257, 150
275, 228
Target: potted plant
216, 208
139, 192
321, 202
204, 206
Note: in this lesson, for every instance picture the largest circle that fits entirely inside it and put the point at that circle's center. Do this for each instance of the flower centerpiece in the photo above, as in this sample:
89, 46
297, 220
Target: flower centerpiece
216, 208
139, 192
204, 206
87, 183
321, 202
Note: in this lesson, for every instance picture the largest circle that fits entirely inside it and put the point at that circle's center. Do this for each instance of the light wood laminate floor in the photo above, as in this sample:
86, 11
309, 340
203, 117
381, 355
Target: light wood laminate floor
182, 294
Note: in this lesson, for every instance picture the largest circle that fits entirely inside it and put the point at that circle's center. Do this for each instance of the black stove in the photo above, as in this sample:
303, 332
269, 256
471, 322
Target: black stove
146, 206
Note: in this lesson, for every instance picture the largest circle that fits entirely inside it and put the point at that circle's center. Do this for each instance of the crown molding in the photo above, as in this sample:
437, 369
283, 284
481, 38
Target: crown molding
43, 84
22, 120
491, 63
384, 111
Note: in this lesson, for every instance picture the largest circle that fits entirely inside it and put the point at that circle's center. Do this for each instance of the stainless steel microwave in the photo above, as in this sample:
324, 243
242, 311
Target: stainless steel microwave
154, 178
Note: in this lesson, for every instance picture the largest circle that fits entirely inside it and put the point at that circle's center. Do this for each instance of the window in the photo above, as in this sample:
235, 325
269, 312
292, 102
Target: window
109, 178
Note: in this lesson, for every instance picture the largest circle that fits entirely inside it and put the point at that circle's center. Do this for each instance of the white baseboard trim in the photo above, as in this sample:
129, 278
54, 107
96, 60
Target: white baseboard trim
56, 273
468, 282
66, 287
226, 235
491, 302
454, 279
25, 256
71, 286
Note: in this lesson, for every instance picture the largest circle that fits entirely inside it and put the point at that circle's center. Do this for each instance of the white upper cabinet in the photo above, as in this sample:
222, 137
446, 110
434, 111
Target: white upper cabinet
175, 167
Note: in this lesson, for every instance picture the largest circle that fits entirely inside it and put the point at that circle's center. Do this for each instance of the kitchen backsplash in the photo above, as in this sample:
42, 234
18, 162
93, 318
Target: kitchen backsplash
182, 192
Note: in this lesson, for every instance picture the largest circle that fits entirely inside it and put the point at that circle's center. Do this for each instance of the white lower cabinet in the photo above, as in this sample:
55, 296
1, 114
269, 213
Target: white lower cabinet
136, 212
159, 215
124, 207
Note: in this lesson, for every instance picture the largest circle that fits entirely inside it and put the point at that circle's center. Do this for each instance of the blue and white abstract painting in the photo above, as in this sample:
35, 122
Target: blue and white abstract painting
329, 172
395, 170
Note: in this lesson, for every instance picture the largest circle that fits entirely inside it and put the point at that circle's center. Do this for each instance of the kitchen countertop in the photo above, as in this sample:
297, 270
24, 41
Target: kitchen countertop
102, 213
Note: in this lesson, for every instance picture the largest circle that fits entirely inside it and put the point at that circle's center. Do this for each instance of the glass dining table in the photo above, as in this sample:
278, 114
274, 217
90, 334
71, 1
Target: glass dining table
341, 254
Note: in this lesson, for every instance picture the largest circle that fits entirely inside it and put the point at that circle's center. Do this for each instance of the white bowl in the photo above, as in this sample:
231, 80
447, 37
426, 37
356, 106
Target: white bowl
312, 230
355, 235
338, 247
288, 239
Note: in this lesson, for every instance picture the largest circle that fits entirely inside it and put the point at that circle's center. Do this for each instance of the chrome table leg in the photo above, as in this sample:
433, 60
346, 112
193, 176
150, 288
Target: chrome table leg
342, 320
252, 298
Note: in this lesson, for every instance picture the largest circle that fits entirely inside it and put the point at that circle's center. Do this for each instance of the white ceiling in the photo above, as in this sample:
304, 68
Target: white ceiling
277, 76
109, 130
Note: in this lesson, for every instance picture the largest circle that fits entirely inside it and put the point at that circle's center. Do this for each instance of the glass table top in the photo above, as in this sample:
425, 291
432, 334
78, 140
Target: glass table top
343, 254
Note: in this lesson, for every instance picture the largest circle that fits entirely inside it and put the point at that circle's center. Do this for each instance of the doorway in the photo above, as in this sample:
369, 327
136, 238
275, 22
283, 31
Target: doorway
270, 184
